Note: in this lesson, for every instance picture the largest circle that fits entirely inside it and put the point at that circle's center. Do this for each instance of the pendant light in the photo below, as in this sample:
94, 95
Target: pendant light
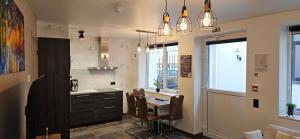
207, 18
139, 49
184, 23
165, 28
147, 46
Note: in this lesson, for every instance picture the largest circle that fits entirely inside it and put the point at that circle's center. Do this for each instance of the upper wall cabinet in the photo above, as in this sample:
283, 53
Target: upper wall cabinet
84, 53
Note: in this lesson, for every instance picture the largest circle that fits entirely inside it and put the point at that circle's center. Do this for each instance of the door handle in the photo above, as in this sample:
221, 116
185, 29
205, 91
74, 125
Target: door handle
109, 93
108, 98
109, 107
79, 96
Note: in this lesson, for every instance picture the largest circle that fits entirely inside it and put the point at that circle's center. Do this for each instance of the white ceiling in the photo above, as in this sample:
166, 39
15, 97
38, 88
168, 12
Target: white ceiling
97, 17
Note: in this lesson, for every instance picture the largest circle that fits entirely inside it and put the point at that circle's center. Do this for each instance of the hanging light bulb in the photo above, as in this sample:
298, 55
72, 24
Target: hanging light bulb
139, 49
147, 46
207, 18
165, 28
184, 23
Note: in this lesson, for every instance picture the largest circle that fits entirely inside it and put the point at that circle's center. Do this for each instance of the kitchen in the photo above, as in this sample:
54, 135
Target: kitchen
99, 66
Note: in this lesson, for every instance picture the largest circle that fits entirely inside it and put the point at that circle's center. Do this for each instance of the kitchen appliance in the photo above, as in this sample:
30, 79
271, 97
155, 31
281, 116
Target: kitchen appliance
103, 56
74, 85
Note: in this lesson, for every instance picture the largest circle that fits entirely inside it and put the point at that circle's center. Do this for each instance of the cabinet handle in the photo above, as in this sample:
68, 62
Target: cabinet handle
109, 98
109, 107
109, 93
82, 96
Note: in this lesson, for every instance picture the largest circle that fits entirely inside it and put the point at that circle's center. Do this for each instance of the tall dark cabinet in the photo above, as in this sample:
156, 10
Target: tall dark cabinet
54, 62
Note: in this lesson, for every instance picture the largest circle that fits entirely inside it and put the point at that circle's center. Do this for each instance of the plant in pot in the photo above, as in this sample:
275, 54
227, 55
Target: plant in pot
291, 108
157, 84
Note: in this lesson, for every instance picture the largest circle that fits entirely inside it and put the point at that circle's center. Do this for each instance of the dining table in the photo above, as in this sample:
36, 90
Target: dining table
157, 103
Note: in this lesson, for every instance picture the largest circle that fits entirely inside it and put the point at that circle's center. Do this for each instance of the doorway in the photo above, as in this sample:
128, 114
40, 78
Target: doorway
224, 85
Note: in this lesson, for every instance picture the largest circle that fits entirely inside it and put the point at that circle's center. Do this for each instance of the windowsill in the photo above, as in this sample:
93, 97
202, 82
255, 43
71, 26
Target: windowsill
231, 93
162, 92
295, 118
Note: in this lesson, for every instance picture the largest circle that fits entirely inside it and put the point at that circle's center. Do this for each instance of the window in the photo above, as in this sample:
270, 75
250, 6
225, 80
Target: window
162, 66
294, 95
227, 65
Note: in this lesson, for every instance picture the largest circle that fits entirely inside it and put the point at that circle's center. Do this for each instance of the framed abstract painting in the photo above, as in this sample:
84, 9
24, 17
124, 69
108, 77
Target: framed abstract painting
12, 54
186, 66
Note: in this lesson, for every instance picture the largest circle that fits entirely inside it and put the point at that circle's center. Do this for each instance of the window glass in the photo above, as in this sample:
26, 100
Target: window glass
172, 70
163, 67
227, 66
155, 66
296, 37
296, 70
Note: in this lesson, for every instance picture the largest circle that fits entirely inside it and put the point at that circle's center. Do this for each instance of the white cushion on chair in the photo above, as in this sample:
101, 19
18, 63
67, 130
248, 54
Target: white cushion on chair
254, 134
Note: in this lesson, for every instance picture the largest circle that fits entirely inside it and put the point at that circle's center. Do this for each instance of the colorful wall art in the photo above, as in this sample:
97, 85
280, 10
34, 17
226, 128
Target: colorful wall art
186, 66
12, 55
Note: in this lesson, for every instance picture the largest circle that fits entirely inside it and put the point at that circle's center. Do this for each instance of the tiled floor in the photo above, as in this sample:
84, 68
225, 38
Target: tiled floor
114, 130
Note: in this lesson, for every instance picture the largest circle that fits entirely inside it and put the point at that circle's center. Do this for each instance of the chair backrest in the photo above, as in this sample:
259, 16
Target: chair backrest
142, 108
176, 107
138, 92
131, 105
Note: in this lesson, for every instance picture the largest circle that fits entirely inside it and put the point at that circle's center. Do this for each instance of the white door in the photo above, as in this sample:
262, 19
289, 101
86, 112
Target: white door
224, 88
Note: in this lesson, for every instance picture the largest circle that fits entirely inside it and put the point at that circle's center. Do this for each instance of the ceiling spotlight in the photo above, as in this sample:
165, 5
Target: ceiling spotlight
184, 23
207, 18
118, 9
165, 28
81, 35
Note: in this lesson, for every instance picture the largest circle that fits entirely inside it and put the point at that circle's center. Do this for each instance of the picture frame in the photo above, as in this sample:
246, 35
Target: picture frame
186, 66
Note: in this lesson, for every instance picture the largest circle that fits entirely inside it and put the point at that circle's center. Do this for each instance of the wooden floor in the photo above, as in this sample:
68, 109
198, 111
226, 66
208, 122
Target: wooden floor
116, 130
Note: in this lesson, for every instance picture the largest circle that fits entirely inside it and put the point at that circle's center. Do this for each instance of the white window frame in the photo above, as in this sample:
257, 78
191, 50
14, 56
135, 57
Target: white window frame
164, 61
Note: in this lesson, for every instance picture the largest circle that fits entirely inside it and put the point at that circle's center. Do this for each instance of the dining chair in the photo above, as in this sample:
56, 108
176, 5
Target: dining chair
138, 92
144, 115
175, 111
131, 110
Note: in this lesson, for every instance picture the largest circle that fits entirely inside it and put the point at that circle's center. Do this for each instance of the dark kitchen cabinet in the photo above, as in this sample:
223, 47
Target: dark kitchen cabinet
96, 108
54, 63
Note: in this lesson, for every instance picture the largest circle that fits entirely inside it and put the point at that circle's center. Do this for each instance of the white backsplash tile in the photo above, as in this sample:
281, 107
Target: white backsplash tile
94, 79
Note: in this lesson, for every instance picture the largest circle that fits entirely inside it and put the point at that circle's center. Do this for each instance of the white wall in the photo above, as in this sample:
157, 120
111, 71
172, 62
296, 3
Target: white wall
264, 35
52, 30
14, 87
84, 53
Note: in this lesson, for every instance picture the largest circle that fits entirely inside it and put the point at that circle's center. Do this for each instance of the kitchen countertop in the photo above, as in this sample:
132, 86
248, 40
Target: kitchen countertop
94, 91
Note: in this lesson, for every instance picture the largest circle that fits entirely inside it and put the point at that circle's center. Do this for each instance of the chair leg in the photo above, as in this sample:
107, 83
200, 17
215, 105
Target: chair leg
170, 126
142, 123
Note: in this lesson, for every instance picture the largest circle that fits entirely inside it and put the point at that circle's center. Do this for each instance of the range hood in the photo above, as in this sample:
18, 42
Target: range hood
103, 56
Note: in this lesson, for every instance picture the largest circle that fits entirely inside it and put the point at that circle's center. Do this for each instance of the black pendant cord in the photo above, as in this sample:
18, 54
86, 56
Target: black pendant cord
166, 8
147, 41
139, 38
155, 40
